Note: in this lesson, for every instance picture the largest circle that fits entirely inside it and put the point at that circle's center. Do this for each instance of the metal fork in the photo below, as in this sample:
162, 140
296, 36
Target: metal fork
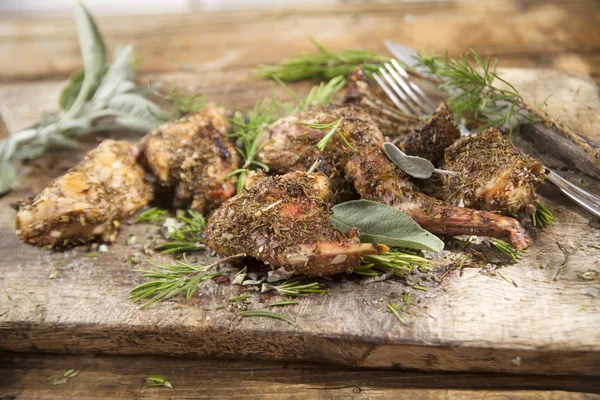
409, 98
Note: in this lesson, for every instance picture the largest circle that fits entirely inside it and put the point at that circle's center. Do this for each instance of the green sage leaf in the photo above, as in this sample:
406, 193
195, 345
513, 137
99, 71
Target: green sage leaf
382, 224
93, 52
118, 78
416, 167
70, 92
7, 177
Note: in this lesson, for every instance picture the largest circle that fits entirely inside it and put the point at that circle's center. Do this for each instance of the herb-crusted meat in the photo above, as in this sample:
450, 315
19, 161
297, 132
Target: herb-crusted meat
283, 221
192, 156
291, 147
494, 174
89, 202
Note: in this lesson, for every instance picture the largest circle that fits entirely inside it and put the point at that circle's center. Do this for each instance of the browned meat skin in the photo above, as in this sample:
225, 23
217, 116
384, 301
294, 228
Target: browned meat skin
283, 221
192, 155
430, 140
89, 202
494, 174
291, 147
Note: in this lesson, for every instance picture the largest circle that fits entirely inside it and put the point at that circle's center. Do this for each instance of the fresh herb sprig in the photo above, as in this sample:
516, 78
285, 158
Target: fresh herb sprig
332, 128
158, 381
296, 287
153, 215
268, 314
507, 250
542, 217
472, 91
100, 98
324, 65
169, 280
249, 127
401, 261
187, 237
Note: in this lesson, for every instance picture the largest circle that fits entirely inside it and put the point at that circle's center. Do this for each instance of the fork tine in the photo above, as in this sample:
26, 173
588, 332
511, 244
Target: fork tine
390, 93
399, 92
403, 83
422, 96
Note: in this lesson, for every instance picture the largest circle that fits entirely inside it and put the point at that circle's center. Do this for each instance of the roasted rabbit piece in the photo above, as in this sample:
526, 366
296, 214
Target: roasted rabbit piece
283, 221
89, 202
291, 147
494, 174
192, 156
427, 140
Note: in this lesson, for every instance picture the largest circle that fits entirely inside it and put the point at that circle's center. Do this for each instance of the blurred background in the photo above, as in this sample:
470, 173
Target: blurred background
131, 7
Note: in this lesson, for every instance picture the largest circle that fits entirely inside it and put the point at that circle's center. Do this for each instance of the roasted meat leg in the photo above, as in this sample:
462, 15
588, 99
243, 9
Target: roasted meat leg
192, 156
283, 221
89, 202
494, 174
291, 147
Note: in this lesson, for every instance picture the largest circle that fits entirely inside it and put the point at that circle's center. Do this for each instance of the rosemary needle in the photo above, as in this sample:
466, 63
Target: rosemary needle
263, 313
283, 303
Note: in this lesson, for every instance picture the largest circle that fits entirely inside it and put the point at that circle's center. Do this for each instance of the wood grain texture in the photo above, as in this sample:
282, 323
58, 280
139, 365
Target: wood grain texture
28, 376
534, 33
63, 302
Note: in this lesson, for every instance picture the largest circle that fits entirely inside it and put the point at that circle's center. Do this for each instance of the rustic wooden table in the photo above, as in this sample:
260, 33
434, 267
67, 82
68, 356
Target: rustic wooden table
214, 54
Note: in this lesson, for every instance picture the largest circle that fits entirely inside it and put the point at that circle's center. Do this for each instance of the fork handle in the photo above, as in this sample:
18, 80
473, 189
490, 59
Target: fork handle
585, 199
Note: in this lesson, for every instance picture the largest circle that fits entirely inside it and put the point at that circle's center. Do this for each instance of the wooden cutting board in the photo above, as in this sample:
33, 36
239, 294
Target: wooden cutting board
548, 322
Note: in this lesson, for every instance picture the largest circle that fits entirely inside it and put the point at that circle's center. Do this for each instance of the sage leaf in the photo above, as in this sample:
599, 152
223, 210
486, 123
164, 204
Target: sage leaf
382, 224
70, 92
93, 52
417, 167
130, 107
7, 177
116, 80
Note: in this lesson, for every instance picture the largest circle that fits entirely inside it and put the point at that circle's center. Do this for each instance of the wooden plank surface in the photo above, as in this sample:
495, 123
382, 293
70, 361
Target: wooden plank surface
63, 302
560, 34
37, 376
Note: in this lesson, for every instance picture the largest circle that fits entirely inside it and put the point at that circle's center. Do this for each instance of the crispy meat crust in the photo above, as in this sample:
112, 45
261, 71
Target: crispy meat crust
89, 202
192, 156
283, 221
494, 174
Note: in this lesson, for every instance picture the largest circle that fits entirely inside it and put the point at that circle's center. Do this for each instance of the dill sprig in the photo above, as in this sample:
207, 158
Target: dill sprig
400, 261
507, 250
296, 287
169, 280
324, 65
249, 127
268, 314
542, 217
186, 238
153, 215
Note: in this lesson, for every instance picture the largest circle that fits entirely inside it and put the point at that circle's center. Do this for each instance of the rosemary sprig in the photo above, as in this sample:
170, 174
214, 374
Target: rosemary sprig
472, 90
249, 127
184, 103
333, 129
283, 303
171, 280
268, 314
507, 250
542, 217
153, 215
394, 309
324, 65
296, 287
401, 261
187, 237
158, 381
